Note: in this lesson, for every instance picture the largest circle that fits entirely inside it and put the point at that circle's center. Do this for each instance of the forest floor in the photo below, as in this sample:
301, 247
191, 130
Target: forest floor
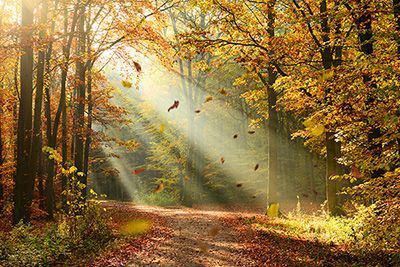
201, 237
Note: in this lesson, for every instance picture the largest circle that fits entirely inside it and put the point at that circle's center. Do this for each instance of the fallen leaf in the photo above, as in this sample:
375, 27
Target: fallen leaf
203, 247
136, 227
138, 171
174, 106
214, 231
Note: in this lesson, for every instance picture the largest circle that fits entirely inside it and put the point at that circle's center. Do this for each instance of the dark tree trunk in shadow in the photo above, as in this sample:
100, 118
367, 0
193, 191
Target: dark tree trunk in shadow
23, 175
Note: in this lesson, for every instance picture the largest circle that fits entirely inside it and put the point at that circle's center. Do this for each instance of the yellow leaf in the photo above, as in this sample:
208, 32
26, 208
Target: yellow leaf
273, 210
136, 227
208, 99
317, 130
80, 174
162, 128
126, 84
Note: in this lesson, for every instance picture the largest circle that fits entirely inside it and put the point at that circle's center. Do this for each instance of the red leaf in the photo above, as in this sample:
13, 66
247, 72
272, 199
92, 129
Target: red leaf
137, 66
175, 105
138, 171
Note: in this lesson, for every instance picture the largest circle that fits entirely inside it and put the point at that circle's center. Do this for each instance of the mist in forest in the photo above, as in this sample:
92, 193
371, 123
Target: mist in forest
225, 144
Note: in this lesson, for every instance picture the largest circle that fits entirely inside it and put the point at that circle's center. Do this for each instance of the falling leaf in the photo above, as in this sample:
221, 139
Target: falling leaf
138, 171
214, 231
239, 185
254, 196
222, 91
222, 160
235, 136
251, 132
256, 167
162, 128
137, 66
198, 111
159, 188
174, 106
136, 227
126, 84
208, 99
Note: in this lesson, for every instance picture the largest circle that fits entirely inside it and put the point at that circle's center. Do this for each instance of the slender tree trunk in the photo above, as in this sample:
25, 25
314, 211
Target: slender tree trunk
1, 153
396, 12
273, 195
23, 181
63, 105
333, 147
89, 123
80, 89
37, 124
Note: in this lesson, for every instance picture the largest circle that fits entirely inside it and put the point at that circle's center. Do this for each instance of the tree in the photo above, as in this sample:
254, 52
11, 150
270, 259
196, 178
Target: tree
23, 179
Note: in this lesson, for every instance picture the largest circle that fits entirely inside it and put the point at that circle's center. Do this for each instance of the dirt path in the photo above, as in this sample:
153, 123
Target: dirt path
198, 238
195, 237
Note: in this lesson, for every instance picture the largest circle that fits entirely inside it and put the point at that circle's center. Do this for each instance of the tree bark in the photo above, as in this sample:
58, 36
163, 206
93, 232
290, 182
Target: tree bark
23, 181
81, 91
37, 124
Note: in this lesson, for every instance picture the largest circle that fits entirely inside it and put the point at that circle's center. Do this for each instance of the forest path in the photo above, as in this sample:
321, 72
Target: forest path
181, 236
198, 238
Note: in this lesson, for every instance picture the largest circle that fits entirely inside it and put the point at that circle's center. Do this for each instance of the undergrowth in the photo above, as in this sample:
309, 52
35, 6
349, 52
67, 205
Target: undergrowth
361, 232
67, 238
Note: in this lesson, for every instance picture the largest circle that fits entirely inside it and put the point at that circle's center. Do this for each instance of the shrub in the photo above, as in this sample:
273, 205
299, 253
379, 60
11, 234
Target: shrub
161, 199
26, 246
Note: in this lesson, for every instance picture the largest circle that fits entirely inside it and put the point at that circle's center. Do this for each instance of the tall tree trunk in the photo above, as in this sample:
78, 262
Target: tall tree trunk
272, 188
396, 12
23, 181
273, 193
69, 35
80, 89
1, 151
365, 36
37, 124
333, 147
89, 123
